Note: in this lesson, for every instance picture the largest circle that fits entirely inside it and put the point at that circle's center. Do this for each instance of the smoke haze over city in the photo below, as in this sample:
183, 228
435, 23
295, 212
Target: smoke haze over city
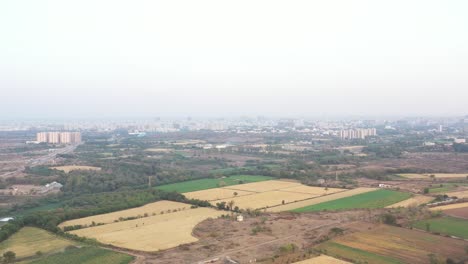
216, 58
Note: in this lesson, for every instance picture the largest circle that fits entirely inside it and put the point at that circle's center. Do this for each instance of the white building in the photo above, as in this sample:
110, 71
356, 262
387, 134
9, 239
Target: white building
361, 133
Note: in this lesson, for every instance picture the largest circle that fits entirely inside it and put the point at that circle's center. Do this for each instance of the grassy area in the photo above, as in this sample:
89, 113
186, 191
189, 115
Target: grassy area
445, 225
445, 187
396, 177
356, 255
374, 199
203, 184
86, 255
29, 240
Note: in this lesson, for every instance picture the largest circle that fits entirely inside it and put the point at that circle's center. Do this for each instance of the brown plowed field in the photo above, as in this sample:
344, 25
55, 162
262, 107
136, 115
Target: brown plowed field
458, 212
409, 246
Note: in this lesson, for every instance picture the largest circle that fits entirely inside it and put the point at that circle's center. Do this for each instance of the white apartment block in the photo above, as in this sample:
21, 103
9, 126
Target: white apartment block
361, 133
59, 137
42, 137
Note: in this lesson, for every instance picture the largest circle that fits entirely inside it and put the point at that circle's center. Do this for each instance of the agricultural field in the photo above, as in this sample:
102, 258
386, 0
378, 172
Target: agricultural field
265, 186
459, 213
449, 206
156, 208
67, 169
445, 187
262, 187
436, 175
159, 150
413, 201
459, 210
266, 199
356, 255
151, 233
29, 240
262, 194
215, 194
460, 194
321, 199
86, 255
445, 225
323, 259
374, 199
389, 244
315, 191
203, 184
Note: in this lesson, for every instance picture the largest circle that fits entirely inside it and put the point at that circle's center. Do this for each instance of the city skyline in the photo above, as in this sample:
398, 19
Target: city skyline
213, 58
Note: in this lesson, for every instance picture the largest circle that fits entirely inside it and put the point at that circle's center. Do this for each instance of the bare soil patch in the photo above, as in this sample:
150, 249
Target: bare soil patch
458, 212
219, 238
69, 168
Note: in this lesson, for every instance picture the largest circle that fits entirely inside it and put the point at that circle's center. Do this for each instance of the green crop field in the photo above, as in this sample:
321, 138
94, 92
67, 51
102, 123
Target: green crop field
29, 240
357, 255
445, 187
86, 255
446, 225
374, 199
203, 184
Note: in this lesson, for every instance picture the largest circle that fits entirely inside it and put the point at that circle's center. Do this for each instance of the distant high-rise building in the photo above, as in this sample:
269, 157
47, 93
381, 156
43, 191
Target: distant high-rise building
42, 137
361, 133
59, 137
75, 137
65, 137
53, 137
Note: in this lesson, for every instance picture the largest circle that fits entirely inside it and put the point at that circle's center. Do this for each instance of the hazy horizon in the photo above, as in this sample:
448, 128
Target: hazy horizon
92, 59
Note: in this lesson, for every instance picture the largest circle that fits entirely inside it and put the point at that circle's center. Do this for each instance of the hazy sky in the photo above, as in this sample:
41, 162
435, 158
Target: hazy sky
96, 58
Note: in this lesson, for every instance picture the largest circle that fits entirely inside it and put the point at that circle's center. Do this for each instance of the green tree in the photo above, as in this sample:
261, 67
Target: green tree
428, 227
9, 256
389, 219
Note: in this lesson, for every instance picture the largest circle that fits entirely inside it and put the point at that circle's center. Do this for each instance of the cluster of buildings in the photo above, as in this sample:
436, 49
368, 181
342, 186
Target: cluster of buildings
59, 137
358, 133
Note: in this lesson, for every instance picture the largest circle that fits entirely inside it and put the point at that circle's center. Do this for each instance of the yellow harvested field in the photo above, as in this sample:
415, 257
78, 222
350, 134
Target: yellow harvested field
413, 201
449, 206
160, 150
151, 233
460, 194
316, 191
264, 199
323, 259
320, 199
67, 169
436, 175
156, 208
215, 194
263, 186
